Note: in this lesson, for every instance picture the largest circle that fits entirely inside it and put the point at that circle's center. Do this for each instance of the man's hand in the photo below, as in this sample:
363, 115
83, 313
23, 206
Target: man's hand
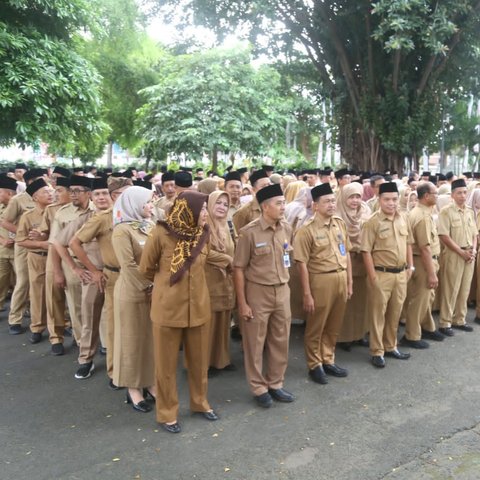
432, 281
308, 303
245, 312
59, 279
99, 278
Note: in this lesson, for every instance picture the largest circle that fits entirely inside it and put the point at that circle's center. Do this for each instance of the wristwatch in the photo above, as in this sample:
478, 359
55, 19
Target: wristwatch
412, 268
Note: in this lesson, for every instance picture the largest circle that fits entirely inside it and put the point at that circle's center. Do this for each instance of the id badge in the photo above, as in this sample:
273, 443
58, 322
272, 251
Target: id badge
286, 260
343, 251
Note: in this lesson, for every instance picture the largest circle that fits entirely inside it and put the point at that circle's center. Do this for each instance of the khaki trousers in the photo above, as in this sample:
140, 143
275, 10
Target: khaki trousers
37, 265
419, 302
19, 301
92, 305
456, 277
55, 308
7, 267
268, 331
167, 343
384, 304
329, 292
110, 323
477, 290
102, 329
73, 293
219, 339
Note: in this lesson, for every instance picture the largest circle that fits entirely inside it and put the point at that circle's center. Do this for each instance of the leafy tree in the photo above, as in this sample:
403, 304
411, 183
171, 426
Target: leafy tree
386, 65
212, 102
47, 90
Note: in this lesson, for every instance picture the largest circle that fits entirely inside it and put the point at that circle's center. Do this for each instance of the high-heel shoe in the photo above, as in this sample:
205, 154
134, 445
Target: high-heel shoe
141, 406
148, 395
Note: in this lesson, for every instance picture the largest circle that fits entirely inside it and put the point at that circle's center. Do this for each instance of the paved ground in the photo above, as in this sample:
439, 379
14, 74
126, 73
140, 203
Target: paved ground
416, 419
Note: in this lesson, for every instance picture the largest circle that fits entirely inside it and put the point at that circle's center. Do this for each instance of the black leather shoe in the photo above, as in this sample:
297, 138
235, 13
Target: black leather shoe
211, 415
464, 327
173, 428
420, 344
477, 320
141, 406
35, 338
345, 346
378, 361
57, 349
112, 386
15, 329
436, 336
148, 396
281, 395
317, 374
264, 400
102, 350
447, 331
363, 342
335, 370
398, 355
68, 332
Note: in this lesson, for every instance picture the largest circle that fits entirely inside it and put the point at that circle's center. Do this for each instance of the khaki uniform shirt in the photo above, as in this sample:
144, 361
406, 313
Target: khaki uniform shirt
322, 244
100, 227
386, 239
459, 224
245, 214
66, 214
187, 302
17, 206
5, 252
232, 209
28, 221
424, 230
261, 249
373, 204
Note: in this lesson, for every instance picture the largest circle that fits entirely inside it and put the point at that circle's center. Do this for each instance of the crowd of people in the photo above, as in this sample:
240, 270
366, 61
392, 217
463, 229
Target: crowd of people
140, 267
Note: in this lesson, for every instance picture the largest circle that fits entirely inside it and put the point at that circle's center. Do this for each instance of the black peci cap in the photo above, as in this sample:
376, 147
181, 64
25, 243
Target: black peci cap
269, 191
321, 190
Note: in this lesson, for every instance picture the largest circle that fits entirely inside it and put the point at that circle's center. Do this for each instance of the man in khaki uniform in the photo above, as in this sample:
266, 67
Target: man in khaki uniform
42, 195
261, 277
17, 206
71, 274
233, 186
8, 187
375, 182
163, 204
321, 252
251, 210
387, 255
458, 233
55, 289
421, 287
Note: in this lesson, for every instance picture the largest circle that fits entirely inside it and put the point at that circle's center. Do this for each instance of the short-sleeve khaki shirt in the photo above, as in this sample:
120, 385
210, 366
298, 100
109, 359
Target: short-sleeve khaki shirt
245, 214
386, 239
5, 252
17, 206
322, 244
260, 252
424, 230
100, 226
458, 224
29, 220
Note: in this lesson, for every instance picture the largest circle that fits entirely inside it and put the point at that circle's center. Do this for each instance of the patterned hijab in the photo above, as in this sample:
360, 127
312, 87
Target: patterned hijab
128, 208
182, 223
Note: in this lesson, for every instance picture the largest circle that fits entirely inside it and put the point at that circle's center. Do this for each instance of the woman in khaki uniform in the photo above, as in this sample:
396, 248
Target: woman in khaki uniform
355, 213
175, 257
133, 362
220, 282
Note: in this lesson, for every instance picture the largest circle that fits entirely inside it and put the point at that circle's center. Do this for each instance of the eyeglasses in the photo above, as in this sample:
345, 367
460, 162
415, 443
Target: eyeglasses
76, 191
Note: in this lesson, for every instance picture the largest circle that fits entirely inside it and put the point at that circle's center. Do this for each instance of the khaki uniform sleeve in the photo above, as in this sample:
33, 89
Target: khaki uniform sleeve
23, 229
444, 222
13, 211
242, 252
68, 232
90, 230
368, 236
151, 254
302, 246
422, 233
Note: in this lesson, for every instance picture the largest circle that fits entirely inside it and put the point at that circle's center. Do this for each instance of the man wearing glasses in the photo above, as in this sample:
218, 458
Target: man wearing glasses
66, 275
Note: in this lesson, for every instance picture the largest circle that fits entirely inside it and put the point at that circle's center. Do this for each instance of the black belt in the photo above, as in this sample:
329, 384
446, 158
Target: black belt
391, 270
112, 269
334, 271
43, 254
435, 257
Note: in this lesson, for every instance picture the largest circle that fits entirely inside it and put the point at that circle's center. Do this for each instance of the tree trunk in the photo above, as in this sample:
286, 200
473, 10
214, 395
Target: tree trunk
214, 159
304, 146
109, 154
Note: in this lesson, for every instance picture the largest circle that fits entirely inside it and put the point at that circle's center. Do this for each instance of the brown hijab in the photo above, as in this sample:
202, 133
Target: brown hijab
354, 218
182, 223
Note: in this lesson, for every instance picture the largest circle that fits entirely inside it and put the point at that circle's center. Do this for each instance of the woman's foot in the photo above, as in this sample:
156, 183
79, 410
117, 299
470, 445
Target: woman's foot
135, 397
150, 393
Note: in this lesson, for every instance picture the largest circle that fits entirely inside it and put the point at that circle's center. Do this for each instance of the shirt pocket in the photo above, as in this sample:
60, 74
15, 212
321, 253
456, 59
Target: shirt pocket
261, 251
322, 247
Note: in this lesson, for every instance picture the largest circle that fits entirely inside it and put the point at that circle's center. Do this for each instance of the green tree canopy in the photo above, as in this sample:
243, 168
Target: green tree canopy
212, 101
385, 65
47, 90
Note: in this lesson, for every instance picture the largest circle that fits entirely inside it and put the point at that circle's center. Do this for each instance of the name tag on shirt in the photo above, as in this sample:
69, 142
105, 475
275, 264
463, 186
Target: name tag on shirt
343, 250
141, 243
261, 244
286, 260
